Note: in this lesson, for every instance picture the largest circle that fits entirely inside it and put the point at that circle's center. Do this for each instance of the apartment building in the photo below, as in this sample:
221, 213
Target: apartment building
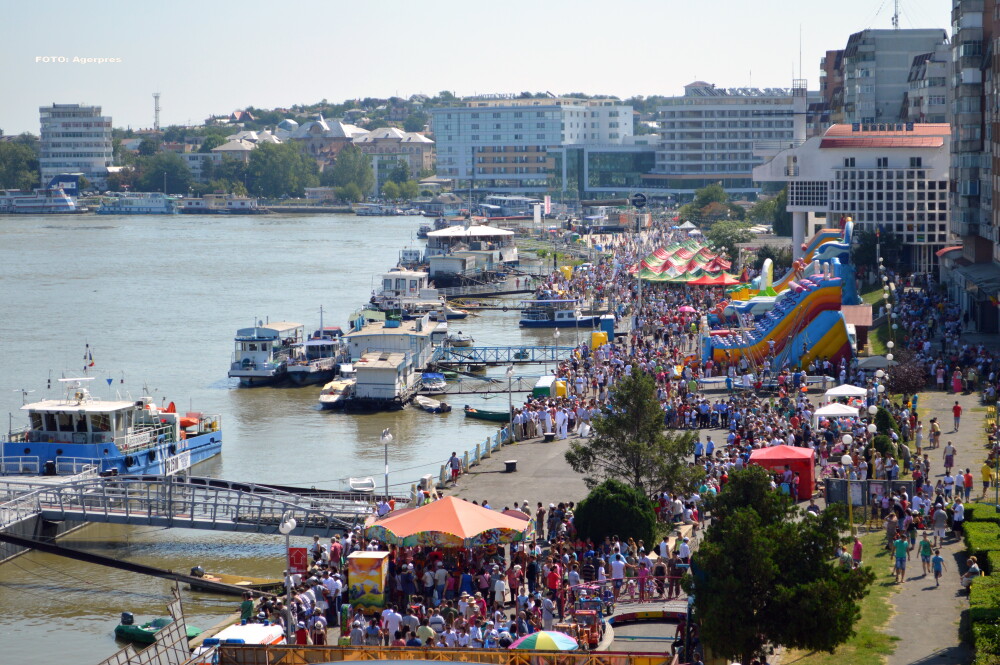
502, 144
926, 99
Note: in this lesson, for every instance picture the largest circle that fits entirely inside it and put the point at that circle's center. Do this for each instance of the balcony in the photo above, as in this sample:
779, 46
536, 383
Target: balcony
792, 171
772, 148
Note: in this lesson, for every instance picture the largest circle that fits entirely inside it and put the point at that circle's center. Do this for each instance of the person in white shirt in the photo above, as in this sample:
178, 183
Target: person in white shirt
684, 551
391, 619
618, 565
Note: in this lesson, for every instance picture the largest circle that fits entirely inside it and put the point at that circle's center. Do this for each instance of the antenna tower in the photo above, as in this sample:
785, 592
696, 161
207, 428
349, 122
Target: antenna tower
895, 15
156, 111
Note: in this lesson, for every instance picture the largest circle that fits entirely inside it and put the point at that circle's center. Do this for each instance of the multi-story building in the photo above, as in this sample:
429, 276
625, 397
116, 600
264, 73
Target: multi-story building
75, 138
926, 100
708, 135
972, 274
502, 145
390, 144
891, 177
876, 72
831, 78
603, 171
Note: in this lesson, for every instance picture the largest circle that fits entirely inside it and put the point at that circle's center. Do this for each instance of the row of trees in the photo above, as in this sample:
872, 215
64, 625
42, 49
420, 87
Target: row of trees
764, 572
19, 163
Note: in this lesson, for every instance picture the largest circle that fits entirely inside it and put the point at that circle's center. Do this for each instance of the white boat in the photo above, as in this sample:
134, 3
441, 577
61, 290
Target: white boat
152, 203
374, 210
51, 200
338, 391
431, 405
364, 485
457, 339
450, 313
433, 383
315, 360
263, 352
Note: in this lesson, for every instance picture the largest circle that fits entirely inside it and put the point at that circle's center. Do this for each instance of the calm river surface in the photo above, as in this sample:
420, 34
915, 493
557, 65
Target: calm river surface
159, 299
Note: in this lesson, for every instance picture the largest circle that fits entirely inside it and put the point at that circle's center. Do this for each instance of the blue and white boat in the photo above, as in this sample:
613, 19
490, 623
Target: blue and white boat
55, 199
152, 203
555, 314
80, 433
264, 351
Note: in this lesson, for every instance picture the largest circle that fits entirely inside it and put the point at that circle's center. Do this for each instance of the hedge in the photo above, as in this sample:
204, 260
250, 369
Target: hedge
978, 512
986, 640
980, 538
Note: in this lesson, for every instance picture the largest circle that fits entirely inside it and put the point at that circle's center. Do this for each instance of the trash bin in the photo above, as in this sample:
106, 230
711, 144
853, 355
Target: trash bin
510, 466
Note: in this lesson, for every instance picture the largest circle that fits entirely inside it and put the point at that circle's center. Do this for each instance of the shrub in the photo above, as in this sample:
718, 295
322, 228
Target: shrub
613, 508
984, 599
986, 639
992, 563
885, 421
980, 538
977, 512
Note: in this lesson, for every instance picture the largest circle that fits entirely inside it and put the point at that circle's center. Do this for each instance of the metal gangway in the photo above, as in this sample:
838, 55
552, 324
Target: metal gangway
183, 502
468, 385
502, 355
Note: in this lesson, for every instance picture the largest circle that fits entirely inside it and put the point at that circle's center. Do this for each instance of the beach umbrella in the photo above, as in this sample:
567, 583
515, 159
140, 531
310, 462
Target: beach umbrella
546, 640
448, 522
687, 309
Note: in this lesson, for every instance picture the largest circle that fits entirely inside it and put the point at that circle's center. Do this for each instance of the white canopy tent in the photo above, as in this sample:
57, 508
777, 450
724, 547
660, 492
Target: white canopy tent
846, 390
687, 225
834, 411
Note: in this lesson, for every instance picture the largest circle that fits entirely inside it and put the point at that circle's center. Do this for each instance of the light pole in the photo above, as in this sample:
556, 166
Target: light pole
286, 527
847, 462
576, 324
510, 403
386, 438
556, 335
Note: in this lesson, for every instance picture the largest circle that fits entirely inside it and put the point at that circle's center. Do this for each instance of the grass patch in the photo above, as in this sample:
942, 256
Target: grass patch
870, 644
872, 297
877, 338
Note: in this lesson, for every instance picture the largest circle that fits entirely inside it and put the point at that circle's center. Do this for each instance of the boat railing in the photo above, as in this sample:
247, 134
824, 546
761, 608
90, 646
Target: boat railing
19, 435
146, 437
22, 465
79, 467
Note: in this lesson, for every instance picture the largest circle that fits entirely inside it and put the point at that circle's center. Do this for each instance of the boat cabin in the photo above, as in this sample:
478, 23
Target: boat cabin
406, 284
473, 238
383, 376
557, 311
261, 345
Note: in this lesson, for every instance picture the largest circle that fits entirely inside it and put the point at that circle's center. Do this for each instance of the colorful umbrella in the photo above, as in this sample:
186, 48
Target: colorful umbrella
686, 309
449, 522
546, 640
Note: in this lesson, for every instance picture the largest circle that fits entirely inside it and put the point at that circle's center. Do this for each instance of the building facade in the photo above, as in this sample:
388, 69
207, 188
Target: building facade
891, 177
877, 69
708, 135
503, 145
75, 138
926, 99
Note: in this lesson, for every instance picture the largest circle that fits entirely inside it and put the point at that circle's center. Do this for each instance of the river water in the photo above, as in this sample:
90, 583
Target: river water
158, 299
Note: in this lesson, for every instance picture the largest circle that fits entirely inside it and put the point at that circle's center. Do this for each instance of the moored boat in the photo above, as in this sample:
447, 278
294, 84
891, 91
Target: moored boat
433, 383
483, 414
124, 436
555, 314
50, 200
262, 352
457, 339
152, 203
128, 631
315, 360
262, 584
337, 392
431, 405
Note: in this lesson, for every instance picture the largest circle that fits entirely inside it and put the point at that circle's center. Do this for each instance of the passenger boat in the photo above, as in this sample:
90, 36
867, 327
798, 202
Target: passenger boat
262, 584
450, 313
315, 360
338, 391
483, 414
50, 200
375, 210
433, 383
152, 203
128, 631
431, 405
424, 230
78, 432
457, 339
263, 352
555, 314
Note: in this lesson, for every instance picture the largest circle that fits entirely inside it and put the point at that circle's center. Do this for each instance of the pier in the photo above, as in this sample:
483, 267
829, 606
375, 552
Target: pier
503, 355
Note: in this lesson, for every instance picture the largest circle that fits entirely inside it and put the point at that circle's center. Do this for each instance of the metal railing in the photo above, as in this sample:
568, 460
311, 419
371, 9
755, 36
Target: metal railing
505, 355
25, 465
196, 503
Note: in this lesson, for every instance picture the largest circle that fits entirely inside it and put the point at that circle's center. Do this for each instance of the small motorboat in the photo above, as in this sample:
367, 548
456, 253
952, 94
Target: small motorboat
431, 405
458, 340
128, 631
337, 392
433, 383
482, 414
362, 485
262, 584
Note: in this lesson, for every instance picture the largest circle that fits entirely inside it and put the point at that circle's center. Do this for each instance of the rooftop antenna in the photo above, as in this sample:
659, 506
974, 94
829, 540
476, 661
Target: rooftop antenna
800, 50
156, 111
895, 15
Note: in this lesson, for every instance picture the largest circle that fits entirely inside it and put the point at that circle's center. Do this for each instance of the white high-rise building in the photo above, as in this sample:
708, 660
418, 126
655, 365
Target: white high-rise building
502, 145
75, 139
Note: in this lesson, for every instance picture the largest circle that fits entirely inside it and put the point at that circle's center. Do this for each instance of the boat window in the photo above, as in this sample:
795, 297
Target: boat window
36, 420
65, 422
413, 284
100, 422
81, 423
50, 422
387, 284
400, 284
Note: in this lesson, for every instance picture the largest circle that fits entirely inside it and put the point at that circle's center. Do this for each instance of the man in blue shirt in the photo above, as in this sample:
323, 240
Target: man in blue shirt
699, 450
709, 446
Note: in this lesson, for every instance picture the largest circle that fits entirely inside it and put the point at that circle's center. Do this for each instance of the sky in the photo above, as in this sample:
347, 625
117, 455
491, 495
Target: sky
216, 56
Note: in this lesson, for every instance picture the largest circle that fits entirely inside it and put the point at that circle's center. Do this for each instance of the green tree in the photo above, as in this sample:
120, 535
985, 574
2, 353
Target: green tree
630, 444
409, 190
280, 169
18, 166
350, 193
352, 167
725, 235
400, 173
390, 190
778, 564
782, 218
614, 508
908, 377
868, 246
762, 212
211, 141
781, 258
415, 122
148, 147
153, 169
713, 193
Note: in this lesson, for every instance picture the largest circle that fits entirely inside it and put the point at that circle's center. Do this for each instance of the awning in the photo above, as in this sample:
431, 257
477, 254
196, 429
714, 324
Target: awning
984, 277
945, 250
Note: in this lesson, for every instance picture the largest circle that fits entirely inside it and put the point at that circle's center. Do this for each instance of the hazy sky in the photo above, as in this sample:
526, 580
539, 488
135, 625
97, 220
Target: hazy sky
214, 56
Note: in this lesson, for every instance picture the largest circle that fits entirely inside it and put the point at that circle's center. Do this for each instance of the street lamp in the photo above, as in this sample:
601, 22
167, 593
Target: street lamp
847, 463
510, 403
576, 322
286, 527
872, 410
386, 438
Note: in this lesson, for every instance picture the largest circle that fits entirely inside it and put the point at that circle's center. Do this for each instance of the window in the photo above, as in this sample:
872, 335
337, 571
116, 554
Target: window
916, 162
848, 162
883, 163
